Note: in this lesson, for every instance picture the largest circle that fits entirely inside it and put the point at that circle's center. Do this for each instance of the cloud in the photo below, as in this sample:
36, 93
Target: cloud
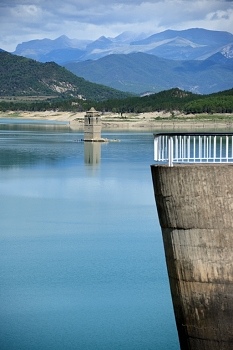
23, 20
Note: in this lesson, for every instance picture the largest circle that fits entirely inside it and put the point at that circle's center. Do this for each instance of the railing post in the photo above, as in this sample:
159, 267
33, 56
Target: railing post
220, 149
200, 148
194, 148
156, 149
215, 148
170, 151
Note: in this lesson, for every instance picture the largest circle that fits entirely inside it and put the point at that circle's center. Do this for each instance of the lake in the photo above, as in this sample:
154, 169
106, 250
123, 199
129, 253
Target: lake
81, 256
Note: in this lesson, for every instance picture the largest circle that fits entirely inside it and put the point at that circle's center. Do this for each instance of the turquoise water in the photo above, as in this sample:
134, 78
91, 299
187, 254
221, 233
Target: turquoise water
81, 257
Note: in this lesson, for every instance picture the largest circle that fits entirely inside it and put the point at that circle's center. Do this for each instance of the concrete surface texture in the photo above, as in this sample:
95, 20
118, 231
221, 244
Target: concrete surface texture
195, 208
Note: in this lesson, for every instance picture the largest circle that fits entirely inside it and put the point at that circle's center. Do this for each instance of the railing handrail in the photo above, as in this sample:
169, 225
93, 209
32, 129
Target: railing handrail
193, 147
220, 133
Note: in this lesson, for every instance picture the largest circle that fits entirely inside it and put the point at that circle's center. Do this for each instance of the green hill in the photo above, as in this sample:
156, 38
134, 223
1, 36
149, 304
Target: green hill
21, 76
170, 100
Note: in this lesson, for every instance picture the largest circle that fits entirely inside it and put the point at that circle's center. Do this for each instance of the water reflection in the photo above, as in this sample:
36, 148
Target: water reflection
11, 123
36, 145
40, 146
92, 152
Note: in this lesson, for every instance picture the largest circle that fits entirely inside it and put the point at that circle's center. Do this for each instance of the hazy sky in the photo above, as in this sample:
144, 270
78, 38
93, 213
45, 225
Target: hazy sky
24, 20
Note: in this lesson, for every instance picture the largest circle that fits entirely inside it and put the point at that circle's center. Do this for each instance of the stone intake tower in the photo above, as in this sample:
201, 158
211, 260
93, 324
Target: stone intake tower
194, 199
92, 126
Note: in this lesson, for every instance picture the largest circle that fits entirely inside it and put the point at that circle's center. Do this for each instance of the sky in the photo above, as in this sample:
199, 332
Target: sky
24, 20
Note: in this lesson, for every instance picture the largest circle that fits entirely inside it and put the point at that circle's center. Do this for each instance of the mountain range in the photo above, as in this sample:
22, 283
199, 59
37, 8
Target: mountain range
196, 60
189, 44
143, 73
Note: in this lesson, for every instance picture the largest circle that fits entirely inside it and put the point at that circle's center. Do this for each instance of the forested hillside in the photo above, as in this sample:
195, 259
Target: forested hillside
21, 76
174, 99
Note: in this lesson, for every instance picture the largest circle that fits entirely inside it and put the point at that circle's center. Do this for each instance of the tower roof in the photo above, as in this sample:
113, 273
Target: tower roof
92, 112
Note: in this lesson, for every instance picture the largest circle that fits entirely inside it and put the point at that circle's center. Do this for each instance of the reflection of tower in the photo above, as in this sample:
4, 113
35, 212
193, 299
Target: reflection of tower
92, 126
92, 152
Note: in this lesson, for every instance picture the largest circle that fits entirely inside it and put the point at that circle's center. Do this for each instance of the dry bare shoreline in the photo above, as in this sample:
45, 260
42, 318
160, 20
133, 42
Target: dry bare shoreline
143, 121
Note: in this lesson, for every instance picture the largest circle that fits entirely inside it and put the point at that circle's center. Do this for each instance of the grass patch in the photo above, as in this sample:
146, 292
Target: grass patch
13, 115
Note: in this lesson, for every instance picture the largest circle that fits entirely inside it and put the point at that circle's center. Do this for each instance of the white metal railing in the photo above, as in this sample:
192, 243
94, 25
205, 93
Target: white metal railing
193, 148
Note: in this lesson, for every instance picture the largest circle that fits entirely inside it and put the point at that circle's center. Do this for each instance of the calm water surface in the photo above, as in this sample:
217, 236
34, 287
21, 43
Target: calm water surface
81, 257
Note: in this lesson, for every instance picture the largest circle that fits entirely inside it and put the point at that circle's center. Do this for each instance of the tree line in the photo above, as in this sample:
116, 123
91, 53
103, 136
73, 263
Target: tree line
169, 100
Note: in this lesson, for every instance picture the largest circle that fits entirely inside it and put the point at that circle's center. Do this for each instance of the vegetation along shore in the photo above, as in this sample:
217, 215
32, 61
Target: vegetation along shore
132, 121
170, 109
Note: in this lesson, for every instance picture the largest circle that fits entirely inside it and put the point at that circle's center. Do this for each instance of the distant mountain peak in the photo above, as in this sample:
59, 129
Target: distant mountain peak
128, 36
100, 43
62, 37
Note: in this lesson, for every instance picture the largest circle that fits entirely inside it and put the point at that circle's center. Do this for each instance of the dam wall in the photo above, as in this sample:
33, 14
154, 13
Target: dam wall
195, 208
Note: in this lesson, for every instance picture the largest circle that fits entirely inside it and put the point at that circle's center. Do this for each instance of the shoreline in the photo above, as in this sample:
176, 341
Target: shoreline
129, 121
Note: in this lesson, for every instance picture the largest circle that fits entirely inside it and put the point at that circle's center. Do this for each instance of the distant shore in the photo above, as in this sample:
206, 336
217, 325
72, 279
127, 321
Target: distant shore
142, 121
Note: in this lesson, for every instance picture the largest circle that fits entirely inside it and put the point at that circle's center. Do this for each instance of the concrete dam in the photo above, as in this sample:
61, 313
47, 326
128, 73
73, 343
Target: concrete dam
193, 187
